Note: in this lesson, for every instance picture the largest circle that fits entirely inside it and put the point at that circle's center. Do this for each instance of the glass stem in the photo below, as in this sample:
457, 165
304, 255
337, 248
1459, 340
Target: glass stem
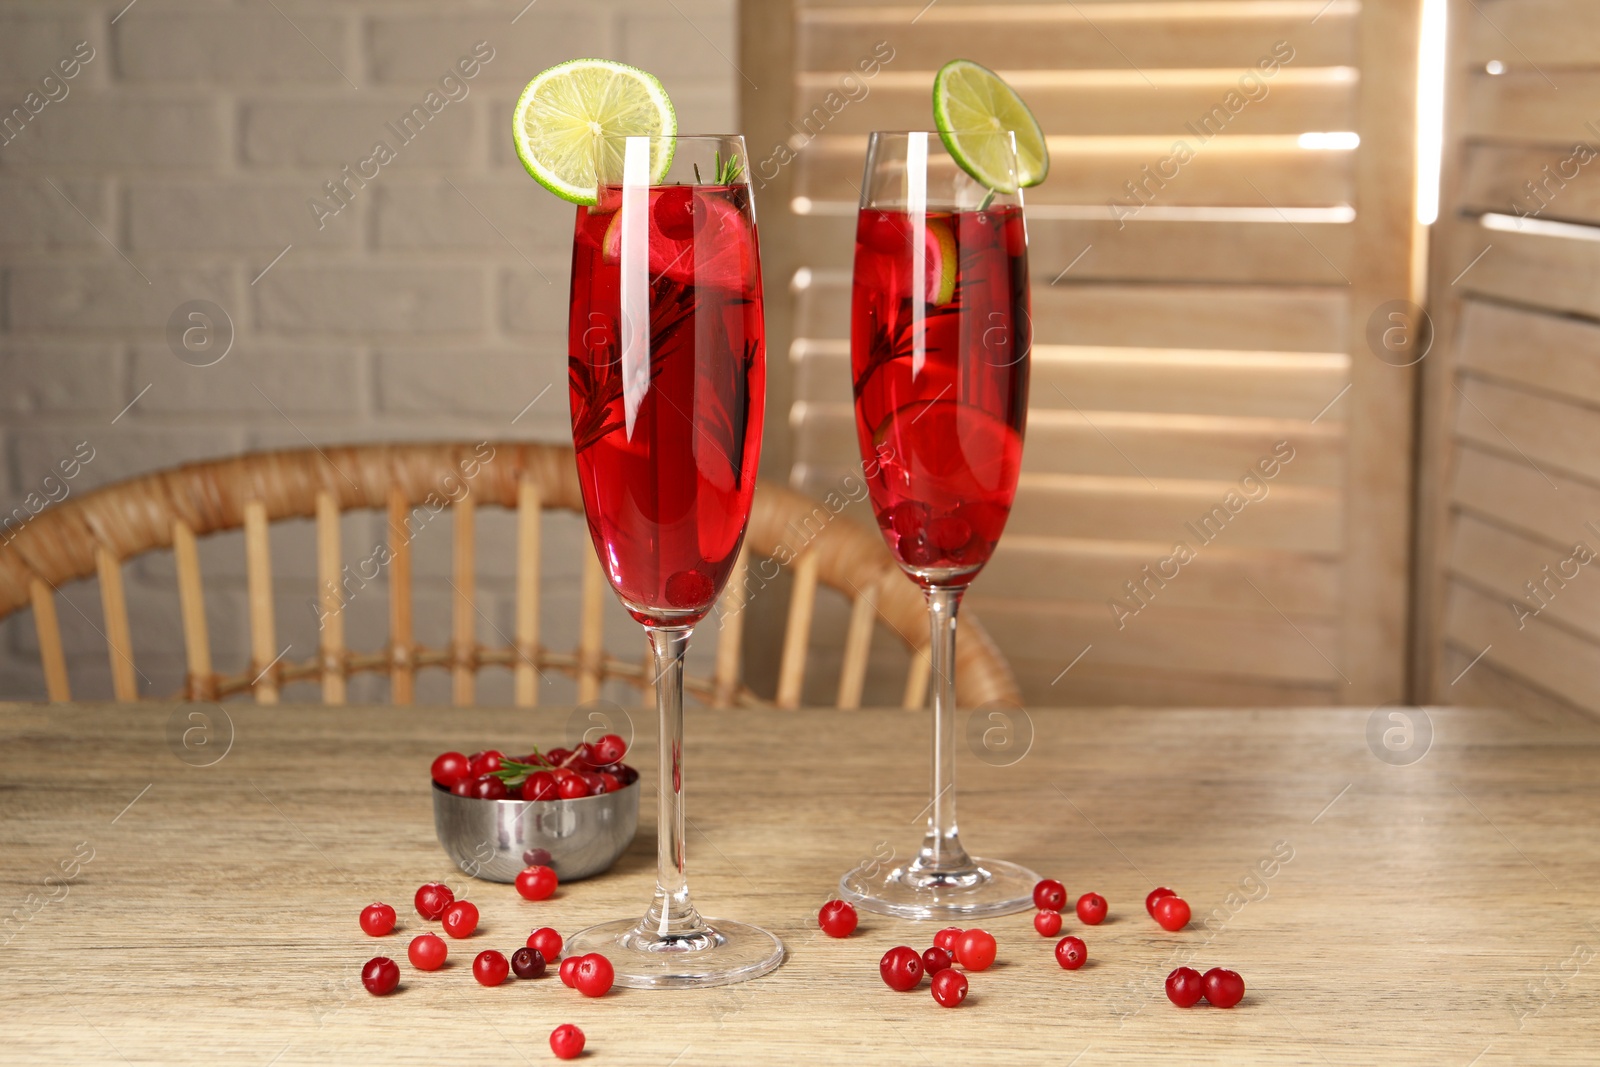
941, 849
671, 914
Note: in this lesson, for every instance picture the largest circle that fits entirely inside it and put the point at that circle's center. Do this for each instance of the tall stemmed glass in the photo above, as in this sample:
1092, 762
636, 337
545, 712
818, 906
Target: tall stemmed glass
939, 341
667, 375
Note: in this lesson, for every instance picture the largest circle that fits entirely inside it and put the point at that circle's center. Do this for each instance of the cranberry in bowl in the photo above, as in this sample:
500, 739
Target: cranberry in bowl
496, 815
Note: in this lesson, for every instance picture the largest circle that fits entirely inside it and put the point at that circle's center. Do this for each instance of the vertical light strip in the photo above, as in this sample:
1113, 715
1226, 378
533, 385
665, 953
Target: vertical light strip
917, 211
635, 277
1430, 107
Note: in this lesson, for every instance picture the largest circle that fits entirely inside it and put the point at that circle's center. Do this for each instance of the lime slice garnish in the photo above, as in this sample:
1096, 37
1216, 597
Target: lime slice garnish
940, 266
561, 116
971, 103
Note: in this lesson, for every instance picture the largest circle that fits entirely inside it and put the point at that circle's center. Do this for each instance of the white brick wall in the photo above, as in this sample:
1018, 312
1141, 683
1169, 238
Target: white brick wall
180, 161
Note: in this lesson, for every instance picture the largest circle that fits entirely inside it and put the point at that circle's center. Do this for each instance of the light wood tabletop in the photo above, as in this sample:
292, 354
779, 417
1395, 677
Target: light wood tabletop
1440, 905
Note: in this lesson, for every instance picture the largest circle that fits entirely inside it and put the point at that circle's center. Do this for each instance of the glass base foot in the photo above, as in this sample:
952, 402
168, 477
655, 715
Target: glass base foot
723, 953
987, 887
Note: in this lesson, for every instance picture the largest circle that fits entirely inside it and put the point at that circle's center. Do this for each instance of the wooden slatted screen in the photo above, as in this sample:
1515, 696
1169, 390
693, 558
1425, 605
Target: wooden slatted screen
1511, 507
1186, 326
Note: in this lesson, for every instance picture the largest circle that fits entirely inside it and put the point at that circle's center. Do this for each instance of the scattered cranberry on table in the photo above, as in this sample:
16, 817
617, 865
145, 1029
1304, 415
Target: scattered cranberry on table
380, 976
901, 968
547, 941
1050, 894
1092, 909
1184, 987
1155, 895
427, 952
527, 963
490, 967
935, 960
946, 938
568, 971
450, 768
1223, 988
432, 899
460, 918
1071, 952
377, 919
566, 1041
1047, 922
949, 987
975, 950
837, 918
594, 976
1172, 913
536, 882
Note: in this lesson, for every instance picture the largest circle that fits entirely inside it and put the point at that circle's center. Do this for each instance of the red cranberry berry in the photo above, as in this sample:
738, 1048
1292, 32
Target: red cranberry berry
689, 589
675, 215
1184, 987
1071, 952
539, 785
594, 975
1155, 895
450, 768
547, 941
486, 762
572, 787
946, 938
377, 919
1172, 913
490, 967
527, 963
568, 971
901, 968
460, 918
537, 882
566, 1041
427, 952
488, 787
975, 950
837, 918
432, 899
1050, 894
1223, 988
935, 960
608, 750
1047, 922
949, 987
381, 975
1092, 909
464, 787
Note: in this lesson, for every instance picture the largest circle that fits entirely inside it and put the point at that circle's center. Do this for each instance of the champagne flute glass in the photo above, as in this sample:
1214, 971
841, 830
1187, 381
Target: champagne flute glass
939, 342
667, 381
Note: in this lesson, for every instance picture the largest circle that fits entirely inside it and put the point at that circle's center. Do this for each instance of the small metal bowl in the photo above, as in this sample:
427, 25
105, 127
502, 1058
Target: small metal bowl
496, 839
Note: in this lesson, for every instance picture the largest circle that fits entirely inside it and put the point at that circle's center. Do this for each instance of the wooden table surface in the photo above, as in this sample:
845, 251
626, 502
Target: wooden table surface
1445, 911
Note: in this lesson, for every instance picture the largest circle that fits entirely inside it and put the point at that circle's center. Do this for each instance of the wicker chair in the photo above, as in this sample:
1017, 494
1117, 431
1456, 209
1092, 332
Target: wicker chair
100, 531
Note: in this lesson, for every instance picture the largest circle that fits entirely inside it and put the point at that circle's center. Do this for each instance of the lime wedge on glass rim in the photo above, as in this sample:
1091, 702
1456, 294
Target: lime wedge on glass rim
562, 115
971, 103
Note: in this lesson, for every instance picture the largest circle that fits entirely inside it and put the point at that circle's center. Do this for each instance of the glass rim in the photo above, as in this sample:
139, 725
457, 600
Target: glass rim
604, 136
939, 136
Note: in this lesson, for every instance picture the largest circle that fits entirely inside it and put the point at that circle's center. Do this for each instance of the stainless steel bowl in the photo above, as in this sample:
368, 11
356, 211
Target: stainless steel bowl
496, 839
